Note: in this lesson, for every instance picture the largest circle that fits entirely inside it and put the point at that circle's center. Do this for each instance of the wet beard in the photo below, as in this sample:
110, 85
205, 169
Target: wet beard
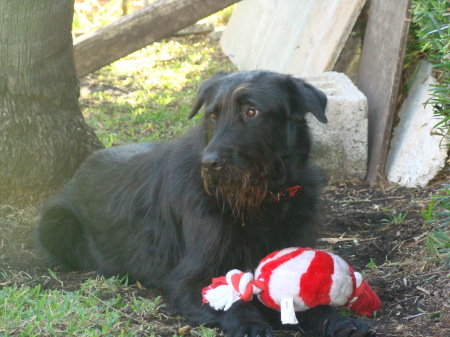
242, 191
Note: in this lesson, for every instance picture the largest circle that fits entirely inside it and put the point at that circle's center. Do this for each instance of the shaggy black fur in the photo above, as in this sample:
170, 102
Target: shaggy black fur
175, 214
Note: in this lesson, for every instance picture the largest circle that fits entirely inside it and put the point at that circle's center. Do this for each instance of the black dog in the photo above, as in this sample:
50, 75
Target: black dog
175, 214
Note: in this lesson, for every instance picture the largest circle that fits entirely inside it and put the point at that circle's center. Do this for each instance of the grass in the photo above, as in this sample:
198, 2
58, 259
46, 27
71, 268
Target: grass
99, 308
393, 218
93, 14
438, 217
147, 96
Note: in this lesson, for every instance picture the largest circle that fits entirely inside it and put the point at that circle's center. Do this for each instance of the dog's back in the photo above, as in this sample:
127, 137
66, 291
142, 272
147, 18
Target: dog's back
110, 205
61, 233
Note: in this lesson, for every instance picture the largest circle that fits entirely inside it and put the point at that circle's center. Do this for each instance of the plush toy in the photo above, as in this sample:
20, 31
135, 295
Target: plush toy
295, 279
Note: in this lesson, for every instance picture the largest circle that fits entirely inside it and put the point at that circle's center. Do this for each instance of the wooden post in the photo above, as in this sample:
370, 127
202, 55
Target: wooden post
379, 74
136, 30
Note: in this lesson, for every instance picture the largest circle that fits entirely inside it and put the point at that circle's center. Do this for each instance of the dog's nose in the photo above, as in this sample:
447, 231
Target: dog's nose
212, 161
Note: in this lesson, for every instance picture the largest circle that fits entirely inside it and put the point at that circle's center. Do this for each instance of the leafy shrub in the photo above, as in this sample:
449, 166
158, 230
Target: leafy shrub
431, 26
431, 23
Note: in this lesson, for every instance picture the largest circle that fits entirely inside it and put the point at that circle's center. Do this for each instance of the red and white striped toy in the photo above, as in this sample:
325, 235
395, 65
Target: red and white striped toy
295, 279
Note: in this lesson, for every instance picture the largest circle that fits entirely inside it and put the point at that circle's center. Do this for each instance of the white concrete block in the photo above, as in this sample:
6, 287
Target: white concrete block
300, 37
341, 146
416, 153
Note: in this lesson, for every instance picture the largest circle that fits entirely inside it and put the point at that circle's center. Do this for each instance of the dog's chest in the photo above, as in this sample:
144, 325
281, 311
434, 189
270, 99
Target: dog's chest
253, 239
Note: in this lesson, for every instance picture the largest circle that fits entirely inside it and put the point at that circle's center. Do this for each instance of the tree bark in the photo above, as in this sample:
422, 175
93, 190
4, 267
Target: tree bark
134, 31
43, 136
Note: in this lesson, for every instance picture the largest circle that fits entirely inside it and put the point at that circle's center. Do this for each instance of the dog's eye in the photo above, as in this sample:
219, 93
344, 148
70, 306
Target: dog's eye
251, 112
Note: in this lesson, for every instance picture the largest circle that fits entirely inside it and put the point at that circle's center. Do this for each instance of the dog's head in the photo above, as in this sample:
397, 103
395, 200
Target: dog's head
254, 122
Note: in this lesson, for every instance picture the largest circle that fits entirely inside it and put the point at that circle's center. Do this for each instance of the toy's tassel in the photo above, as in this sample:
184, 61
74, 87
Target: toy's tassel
224, 291
220, 295
367, 302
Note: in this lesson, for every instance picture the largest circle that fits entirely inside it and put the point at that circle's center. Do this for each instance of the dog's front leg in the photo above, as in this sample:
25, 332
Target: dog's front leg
242, 319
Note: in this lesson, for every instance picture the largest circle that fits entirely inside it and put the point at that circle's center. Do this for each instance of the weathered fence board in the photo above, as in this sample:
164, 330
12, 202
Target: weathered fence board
379, 74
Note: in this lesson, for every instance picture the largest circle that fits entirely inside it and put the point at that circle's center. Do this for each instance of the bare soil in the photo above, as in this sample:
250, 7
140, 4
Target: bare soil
359, 227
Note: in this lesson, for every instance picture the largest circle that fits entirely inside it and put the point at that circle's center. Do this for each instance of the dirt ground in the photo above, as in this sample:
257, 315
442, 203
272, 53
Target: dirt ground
359, 226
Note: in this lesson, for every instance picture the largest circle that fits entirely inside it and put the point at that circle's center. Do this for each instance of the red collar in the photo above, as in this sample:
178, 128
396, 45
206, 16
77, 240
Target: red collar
288, 193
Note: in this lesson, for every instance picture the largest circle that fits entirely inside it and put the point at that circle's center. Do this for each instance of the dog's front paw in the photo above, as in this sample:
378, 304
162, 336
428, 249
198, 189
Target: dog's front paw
347, 327
326, 321
244, 320
249, 329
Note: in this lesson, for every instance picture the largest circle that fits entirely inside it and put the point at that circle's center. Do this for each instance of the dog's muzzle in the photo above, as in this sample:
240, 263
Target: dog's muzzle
211, 162
214, 172
242, 187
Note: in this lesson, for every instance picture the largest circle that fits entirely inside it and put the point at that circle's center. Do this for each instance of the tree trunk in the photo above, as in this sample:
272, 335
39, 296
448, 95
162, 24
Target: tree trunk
43, 136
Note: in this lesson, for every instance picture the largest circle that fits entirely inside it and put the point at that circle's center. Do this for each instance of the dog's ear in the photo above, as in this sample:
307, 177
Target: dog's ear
205, 91
306, 98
